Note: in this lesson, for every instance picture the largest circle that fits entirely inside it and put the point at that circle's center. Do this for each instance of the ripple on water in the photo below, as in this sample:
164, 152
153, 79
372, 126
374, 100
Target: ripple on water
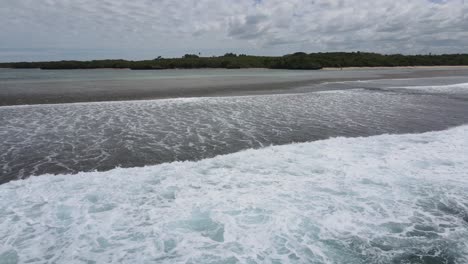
70, 138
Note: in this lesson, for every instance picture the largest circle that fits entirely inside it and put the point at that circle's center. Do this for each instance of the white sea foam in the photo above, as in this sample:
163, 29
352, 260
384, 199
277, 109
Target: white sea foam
382, 199
452, 88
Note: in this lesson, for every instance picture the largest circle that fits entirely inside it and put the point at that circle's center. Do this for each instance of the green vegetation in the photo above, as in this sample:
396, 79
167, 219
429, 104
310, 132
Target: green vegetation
299, 60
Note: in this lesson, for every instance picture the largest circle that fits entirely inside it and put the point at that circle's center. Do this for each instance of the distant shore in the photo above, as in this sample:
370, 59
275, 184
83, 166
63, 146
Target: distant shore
440, 67
295, 61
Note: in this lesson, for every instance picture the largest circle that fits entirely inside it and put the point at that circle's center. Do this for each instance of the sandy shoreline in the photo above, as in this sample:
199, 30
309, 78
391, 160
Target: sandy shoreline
51, 92
398, 67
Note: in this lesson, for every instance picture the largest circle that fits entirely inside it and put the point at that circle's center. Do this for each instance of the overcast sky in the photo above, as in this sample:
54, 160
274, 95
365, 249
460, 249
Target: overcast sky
137, 29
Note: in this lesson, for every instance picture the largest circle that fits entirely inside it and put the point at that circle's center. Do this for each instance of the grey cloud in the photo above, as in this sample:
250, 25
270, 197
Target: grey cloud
248, 27
167, 27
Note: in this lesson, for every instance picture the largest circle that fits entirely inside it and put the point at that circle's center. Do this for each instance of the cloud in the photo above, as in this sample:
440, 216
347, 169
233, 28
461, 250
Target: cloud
146, 28
248, 27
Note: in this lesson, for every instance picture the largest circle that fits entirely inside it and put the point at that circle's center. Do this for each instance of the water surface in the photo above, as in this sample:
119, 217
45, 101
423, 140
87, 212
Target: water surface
364, 197
69, 138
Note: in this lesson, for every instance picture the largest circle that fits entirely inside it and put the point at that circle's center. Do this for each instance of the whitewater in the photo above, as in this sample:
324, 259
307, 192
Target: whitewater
379, 199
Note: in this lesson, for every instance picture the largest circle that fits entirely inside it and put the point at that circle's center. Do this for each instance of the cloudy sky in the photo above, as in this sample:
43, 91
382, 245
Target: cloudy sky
137, 29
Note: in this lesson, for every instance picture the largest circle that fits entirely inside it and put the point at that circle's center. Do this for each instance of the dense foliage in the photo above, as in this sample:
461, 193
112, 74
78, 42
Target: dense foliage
299, 60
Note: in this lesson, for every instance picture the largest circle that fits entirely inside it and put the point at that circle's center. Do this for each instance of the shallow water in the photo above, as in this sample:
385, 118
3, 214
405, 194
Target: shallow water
36, 75
20, 86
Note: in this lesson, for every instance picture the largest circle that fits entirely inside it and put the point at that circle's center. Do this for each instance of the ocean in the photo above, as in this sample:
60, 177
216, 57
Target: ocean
340, 171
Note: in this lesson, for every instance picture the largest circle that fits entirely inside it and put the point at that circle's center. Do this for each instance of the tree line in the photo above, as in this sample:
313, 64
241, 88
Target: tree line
296, 61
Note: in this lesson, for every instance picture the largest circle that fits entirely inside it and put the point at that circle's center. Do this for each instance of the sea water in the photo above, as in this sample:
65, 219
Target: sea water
71, 138
379, 199
196, 180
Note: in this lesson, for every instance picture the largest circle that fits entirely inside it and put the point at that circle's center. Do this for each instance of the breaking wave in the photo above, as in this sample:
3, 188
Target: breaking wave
381, 199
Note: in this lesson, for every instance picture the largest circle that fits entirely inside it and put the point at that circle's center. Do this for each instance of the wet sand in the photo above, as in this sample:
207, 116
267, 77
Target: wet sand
53, 91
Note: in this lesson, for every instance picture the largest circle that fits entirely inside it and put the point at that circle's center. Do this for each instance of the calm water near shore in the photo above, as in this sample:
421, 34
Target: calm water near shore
32, 86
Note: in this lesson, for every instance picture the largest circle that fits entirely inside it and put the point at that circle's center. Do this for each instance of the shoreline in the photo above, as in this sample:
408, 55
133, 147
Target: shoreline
448, 67
254, 68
